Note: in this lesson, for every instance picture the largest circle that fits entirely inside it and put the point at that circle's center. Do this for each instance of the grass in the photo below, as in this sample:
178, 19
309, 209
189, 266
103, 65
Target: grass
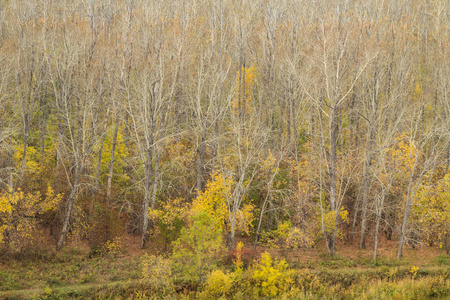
73, 273
70, 268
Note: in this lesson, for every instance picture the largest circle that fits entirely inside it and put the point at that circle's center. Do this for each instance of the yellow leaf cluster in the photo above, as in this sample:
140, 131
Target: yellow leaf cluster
18, 212
218, 285
413, 271
298, 238
215, 197
169, 215
329, 220
216, 201
157, 271
272, 276
404, 154
32, 159
417, 92
114, 246
268, 164
433, 211
238, 264
243, 97
288, 235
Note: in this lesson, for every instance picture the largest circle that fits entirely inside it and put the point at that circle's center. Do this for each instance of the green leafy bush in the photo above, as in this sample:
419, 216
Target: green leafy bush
196, 250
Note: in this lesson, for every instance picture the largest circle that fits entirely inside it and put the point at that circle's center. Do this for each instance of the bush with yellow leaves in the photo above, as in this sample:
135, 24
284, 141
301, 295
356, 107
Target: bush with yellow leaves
218, 285
272, 277
20, 213
114, 247
157, 271
326, 222
215, 201
287, 235
432, 214
168, 219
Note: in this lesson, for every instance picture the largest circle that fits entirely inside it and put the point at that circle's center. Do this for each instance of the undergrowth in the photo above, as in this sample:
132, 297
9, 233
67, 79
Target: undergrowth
73, 274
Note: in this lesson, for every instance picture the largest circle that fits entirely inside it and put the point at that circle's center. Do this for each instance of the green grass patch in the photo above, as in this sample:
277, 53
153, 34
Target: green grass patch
72, 274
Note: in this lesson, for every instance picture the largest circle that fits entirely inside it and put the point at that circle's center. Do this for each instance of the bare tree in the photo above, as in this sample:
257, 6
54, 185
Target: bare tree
336, 55
78, 99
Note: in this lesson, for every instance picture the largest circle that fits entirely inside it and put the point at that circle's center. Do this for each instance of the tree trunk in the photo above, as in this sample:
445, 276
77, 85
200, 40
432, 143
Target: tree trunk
258, 229
333, 158
156, 179
111, 164
355, 218
25, 146
369, 158
232, 232
97, 177
70, 202
377, 227
366, 187
408, 203
147, 194
201, 155
151, 118
127, 133
43, 125
334, 124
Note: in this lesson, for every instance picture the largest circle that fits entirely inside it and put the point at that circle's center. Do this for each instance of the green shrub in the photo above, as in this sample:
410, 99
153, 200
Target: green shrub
196, 250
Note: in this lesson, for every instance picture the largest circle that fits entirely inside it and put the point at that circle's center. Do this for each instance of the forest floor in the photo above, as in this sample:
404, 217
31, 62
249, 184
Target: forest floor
75, 272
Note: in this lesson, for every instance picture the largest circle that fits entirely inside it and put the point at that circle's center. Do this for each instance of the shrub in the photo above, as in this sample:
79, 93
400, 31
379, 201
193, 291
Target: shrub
104, 227
287, 235
157, 271
272, 276
20, 213
197, 248
241, 257
217, 285
169, 219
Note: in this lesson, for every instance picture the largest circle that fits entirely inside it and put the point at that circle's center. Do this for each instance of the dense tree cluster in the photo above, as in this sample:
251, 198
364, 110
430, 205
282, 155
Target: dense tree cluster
287, 121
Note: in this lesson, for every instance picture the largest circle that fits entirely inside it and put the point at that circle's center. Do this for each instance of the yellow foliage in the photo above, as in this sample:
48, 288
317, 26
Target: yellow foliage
329, 219
418, 92
216, 201
32, 161
413, 271
268, 165
272, 276
433, 211
215, 197
157, 271
343, 214
404, 154
18, 215
169, 215
114, 246
4, 208
51, 201
243, 97
218, 285
289, 236
298, 238
238, 264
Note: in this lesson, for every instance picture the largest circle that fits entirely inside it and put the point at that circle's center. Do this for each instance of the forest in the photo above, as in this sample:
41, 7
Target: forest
224, 148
